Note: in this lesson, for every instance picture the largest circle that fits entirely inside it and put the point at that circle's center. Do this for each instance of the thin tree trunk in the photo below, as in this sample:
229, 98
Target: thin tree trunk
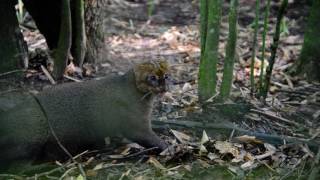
46, 14
13, 53
264, 34
209, 58
274, 47
64, 43
309, 61
230, 51
254, 44
204, 24
79, 45
95, 13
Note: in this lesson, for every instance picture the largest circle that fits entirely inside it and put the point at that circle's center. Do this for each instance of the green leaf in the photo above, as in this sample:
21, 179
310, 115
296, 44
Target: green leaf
284, 30
80, 177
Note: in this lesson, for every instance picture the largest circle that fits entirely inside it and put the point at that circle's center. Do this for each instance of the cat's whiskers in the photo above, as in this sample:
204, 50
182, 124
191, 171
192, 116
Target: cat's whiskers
145, 95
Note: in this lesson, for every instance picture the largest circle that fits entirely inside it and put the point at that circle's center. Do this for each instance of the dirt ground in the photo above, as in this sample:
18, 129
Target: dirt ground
172, 33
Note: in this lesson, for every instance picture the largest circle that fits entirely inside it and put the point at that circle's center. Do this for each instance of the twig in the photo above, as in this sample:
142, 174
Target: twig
314, 136
267, 154
143, 27
72, 79
265, 164
66, 173
145, 95
231, 135
276, 117
211, 98
46, 72
11, 176
8, 91
59, 142
11, 72
135, 154
140, 152
46, 173
112, 165
81, 154
226, 127
80, 167
51, 177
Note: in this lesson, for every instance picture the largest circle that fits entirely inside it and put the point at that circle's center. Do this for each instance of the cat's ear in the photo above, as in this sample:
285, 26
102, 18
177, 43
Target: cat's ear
164, 66
142, 68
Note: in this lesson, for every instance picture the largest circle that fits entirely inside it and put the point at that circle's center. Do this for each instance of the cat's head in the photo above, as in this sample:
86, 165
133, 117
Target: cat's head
152, 77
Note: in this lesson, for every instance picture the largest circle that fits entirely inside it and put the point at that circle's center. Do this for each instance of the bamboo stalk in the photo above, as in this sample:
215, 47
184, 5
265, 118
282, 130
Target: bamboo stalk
209, 58
230, 51
274, 47
265, 28
203, 24
64, 43
254, 44
79, 41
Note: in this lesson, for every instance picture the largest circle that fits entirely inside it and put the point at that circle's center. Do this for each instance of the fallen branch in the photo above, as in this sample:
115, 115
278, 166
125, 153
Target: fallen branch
276, 117
72, 78
11, 72
224, 128
132, 155
46, 72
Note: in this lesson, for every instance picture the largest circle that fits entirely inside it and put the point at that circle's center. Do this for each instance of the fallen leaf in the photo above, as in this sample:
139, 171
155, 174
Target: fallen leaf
249, 165
181, 137
225, 147
156, 163
249, 139
204, 138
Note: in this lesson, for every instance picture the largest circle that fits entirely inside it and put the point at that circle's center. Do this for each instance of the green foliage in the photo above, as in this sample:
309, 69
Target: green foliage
210, 28
150, 6
284, 27
20, 11
230, 51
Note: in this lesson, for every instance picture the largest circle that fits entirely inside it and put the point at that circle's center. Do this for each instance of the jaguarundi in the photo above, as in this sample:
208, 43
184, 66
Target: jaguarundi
81, 115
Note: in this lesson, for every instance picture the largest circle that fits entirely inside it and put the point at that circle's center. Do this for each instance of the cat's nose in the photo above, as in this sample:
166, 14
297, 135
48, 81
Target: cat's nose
164, 88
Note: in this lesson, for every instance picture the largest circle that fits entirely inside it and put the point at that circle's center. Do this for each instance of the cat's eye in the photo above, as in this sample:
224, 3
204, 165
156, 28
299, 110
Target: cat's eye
165, 76
153, 78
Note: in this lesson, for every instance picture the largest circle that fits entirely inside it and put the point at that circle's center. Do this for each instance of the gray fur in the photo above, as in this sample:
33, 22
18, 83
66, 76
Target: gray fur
81, 115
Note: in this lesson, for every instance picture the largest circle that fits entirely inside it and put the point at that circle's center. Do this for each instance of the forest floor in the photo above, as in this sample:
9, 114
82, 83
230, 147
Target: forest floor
292, 108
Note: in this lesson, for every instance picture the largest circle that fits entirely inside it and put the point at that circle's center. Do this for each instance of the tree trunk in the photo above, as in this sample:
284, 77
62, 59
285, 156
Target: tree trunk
309, 61
46, 15
50, 11
11, 44
94, 20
